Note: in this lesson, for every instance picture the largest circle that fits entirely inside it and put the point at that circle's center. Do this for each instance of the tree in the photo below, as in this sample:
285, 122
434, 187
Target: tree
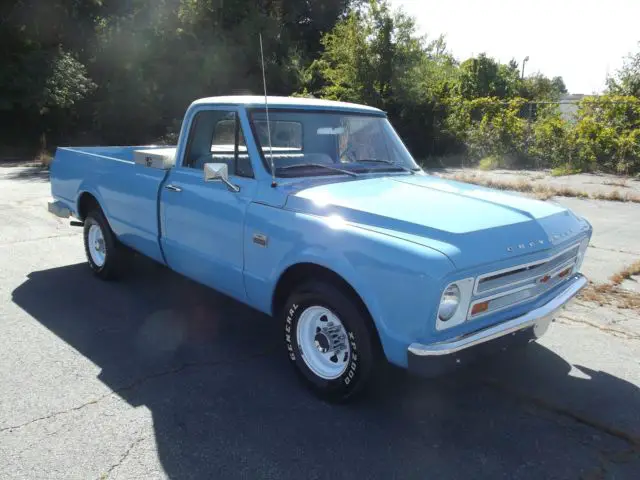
483, 76
626, 81
43, 75
374, 56
540, 87
559, 85
367, 56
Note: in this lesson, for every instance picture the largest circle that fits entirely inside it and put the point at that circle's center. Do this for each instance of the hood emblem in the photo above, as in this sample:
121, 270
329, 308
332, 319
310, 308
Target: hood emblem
525, 246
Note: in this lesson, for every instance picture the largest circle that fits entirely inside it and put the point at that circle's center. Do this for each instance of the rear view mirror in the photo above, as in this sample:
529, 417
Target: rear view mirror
219, 171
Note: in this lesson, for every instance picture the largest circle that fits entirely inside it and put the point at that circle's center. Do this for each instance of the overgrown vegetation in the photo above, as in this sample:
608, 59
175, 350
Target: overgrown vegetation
542, 191
89, 71
611, 293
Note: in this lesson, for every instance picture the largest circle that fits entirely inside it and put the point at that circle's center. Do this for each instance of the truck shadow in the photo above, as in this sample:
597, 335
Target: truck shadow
30, 173
225, 403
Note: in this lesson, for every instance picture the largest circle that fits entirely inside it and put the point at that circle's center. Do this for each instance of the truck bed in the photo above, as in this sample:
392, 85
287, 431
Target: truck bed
127, 191
114, 153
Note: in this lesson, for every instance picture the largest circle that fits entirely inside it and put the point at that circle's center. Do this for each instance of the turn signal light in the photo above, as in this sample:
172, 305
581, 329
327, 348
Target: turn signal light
565, 272
479, 308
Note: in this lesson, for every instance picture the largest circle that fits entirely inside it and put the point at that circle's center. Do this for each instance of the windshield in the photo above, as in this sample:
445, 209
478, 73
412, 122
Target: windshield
307, 143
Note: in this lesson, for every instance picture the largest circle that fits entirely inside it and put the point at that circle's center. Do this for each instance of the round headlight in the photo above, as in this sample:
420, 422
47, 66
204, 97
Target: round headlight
449, 303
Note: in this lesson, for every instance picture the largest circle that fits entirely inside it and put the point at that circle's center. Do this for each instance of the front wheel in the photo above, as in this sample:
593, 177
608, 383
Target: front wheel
330, 341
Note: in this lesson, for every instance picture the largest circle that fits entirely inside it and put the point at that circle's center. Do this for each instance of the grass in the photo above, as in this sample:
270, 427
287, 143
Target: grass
611, 293
616, 183
542, 192
564, 170
626, 273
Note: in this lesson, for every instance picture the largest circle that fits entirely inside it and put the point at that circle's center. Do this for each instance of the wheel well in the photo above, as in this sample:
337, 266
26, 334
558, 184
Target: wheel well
86, 203
301, 272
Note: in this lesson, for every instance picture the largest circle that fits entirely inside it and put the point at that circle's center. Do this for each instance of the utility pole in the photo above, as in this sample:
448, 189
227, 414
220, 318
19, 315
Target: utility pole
524, 62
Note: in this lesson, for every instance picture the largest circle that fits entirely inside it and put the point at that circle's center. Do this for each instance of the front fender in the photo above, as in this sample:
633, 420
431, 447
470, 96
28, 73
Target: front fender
337, 263
398, 281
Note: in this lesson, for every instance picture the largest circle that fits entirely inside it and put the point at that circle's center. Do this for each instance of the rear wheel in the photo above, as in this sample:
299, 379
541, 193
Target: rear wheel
105, 255
330, 341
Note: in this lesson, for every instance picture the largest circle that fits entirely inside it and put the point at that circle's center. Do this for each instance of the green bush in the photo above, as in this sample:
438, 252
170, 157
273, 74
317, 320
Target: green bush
605, 137
552, 143
491, 162
490, 127
564, 169
607, 134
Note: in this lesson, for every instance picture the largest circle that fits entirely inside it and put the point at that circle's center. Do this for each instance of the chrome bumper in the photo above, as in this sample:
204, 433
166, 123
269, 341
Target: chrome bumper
538, 320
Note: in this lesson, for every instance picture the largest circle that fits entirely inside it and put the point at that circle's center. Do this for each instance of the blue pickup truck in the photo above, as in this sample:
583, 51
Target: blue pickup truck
315, 213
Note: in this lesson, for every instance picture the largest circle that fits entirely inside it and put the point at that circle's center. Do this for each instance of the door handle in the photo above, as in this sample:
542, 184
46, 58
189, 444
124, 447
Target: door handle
173, 188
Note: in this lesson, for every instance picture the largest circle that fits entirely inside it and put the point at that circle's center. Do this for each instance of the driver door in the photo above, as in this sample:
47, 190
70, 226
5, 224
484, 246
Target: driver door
203, 222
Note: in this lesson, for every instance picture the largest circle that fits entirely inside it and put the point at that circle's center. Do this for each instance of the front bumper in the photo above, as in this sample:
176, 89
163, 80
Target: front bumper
436, 358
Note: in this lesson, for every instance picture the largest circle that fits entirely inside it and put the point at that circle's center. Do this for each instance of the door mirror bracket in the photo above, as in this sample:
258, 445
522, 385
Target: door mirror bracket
219, 171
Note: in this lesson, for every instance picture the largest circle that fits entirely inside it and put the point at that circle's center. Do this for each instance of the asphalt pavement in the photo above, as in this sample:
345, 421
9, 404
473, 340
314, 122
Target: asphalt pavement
158, 377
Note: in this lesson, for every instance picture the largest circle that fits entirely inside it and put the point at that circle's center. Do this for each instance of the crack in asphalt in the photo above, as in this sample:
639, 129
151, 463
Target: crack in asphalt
137, 383
543, 404
62, 235
612, 331
615, 250
123, 457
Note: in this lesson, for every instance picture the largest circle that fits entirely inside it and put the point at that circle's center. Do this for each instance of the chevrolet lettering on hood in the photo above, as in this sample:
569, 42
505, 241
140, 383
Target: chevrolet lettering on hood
522, 246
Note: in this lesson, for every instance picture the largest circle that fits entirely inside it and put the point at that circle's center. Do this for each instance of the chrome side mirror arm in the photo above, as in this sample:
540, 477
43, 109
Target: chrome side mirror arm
219, 171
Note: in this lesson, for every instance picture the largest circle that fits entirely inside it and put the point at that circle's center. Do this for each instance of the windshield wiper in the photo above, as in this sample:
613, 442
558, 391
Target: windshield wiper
317, 165
388, 162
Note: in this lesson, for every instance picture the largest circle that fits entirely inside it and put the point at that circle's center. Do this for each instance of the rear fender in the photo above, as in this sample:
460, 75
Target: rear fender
86, 188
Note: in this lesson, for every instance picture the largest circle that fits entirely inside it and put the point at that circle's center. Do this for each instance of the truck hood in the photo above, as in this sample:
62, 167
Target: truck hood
472, 225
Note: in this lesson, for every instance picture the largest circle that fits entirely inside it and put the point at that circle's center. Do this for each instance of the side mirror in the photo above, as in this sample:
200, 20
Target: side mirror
219, 171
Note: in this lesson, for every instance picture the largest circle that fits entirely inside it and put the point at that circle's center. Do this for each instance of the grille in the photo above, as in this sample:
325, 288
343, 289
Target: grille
523, 274
498, 290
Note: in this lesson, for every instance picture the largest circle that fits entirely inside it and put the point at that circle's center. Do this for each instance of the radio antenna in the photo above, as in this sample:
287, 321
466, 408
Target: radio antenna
266, 107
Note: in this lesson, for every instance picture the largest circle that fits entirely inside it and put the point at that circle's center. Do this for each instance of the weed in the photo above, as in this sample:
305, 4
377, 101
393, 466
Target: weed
44, 158
611, 294
542, 192
616, 183
626, 273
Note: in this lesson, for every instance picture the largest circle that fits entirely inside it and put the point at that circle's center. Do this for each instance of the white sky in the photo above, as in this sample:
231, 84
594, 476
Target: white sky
581, 40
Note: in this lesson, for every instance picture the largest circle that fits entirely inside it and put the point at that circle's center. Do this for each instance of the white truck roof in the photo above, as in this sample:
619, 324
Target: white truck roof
284, 102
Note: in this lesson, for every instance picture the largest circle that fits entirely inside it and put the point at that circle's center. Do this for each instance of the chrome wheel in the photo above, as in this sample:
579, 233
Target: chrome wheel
323, 343
96, 245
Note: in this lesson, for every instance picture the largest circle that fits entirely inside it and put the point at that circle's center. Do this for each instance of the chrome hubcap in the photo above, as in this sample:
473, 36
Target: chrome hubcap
322, 340
96, 245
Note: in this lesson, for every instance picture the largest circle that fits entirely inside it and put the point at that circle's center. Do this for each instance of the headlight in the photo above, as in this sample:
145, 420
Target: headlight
581, 251
449, 303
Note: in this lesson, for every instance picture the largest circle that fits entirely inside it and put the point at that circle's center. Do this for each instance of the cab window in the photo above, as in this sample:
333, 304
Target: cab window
217, 137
